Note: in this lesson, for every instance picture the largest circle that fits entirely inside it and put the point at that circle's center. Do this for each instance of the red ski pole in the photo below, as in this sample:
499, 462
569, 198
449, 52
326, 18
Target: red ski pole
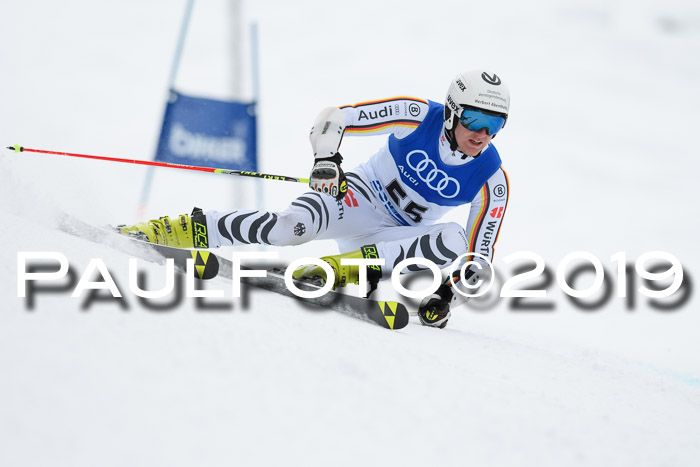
242, 173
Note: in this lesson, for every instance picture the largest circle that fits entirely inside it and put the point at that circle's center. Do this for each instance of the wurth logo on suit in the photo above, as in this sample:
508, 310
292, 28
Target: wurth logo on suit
488, 238
350, 199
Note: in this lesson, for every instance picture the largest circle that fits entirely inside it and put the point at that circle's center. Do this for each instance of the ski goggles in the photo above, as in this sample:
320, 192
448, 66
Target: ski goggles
474, 119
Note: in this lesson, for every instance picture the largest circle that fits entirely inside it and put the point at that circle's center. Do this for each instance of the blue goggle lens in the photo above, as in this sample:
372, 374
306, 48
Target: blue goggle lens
475, 120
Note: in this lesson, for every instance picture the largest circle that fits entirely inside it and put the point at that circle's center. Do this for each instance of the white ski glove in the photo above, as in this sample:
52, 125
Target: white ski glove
327, 176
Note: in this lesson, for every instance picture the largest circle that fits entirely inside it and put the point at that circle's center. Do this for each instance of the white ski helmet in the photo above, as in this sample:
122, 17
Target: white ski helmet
477, 88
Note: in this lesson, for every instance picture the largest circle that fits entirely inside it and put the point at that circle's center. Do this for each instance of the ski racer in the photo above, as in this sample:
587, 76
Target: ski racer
437, 157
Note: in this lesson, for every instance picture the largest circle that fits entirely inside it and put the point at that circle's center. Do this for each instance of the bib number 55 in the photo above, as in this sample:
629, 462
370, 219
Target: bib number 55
412, 209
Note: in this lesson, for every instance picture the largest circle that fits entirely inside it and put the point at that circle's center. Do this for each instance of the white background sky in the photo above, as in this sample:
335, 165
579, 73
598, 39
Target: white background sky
600, 148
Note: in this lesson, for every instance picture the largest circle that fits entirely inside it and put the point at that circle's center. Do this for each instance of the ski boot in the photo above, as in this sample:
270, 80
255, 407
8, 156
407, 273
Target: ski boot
344, 274
184, 232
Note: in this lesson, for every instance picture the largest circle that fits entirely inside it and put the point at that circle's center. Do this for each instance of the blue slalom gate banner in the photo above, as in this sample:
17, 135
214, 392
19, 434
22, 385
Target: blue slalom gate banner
209, 133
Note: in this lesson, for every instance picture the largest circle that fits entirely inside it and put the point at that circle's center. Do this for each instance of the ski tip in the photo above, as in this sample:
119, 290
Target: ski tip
16, 148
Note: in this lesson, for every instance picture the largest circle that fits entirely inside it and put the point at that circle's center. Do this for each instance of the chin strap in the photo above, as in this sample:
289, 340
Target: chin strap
450, 136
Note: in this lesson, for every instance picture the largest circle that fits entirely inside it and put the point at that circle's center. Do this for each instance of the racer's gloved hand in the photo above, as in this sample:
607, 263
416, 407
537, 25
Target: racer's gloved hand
327, 177
434, 310
474, 278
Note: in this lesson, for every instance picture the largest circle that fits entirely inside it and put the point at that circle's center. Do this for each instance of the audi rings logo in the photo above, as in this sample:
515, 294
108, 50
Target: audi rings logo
436, 179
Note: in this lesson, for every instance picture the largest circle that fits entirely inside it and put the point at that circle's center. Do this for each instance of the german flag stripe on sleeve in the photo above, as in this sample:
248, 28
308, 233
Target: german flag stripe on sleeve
505, 210
381, 126
480, 217
381, 101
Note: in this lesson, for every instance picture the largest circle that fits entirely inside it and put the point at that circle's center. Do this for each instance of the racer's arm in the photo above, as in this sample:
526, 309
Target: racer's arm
486, 214
398, 115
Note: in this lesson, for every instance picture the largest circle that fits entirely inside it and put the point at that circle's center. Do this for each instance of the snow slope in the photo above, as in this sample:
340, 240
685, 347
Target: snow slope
600, 151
